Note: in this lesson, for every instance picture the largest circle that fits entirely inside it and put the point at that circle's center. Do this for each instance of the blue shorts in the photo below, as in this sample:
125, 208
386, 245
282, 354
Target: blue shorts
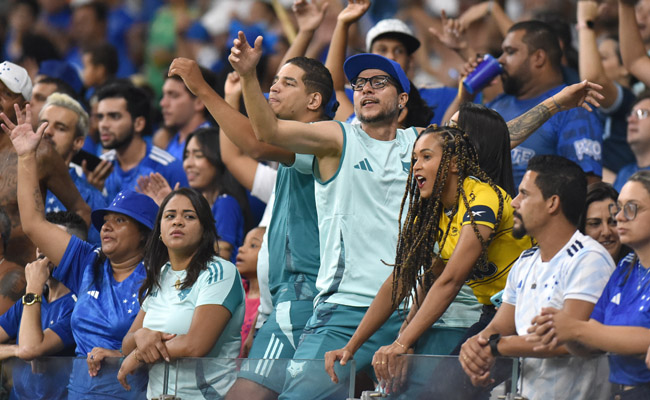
277, 339
330, 328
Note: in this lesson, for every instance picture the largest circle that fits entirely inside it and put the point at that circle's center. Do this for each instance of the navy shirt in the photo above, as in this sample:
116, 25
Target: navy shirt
626, 301
625, 173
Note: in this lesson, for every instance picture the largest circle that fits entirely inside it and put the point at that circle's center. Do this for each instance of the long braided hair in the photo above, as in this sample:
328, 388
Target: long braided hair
418, 261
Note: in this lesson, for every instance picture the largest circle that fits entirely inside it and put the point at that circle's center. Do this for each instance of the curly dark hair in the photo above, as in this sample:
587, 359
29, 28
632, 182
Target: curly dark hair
417, 259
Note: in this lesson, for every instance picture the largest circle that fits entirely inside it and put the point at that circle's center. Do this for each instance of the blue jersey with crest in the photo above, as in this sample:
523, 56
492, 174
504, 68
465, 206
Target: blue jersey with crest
575, 134
105, 308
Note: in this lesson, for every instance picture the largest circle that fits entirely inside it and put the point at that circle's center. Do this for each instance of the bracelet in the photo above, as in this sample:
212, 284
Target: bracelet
559, 108
401, 345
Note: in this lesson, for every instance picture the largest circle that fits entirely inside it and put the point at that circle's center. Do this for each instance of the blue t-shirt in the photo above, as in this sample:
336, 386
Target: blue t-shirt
155, 160
88, 192
176, 147
229, 221
616, 150
575, 134
625, 173
45, 382
626, 302
103, 314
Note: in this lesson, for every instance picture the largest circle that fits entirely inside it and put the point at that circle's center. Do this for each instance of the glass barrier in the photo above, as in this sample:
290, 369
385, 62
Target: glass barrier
416, 377
565, 378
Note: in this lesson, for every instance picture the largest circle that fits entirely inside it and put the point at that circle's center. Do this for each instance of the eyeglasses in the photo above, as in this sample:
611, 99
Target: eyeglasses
629, 210
640, 113
376, 82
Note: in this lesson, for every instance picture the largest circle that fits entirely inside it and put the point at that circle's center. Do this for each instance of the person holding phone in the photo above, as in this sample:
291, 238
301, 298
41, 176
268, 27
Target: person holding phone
66, 130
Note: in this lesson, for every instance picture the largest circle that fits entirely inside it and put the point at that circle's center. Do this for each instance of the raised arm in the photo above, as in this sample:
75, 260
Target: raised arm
33, 340
54, 173
485, 9
48, 237
337, 52
241, 166
591, 66
633, 50
584, 94
235, 125
322, 139
309, 16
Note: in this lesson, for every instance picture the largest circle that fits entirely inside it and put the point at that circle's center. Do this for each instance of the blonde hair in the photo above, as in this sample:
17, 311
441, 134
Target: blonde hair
65, 101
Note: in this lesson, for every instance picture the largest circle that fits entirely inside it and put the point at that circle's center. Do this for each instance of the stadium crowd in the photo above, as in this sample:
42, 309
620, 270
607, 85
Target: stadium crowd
277, 180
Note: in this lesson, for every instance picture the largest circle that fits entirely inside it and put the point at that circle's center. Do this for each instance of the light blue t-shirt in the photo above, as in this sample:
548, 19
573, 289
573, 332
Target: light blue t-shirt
171, 310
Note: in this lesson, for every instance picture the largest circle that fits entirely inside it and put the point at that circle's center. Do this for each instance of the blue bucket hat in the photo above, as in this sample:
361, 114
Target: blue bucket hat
356, 64
135, 205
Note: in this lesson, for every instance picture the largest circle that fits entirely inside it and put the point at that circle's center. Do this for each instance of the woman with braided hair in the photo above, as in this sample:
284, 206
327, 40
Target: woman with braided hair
457, 228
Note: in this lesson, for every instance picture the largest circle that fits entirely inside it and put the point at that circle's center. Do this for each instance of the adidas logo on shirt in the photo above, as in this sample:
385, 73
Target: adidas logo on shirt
616, 299
364, 165
94, 293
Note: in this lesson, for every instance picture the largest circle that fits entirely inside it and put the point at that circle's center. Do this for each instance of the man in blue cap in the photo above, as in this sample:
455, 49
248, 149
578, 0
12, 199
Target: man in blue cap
361, 173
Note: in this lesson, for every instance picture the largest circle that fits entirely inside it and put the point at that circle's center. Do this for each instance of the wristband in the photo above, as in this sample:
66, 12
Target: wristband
494, 343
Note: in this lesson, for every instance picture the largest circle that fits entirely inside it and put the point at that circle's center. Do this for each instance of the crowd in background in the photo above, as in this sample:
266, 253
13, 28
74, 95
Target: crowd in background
219, 209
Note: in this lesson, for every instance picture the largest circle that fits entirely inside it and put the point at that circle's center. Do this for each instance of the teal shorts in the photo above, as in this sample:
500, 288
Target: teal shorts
330, 328
277, 339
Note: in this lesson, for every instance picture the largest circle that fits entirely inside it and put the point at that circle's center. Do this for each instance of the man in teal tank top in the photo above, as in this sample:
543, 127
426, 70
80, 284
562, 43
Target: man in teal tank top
360, 175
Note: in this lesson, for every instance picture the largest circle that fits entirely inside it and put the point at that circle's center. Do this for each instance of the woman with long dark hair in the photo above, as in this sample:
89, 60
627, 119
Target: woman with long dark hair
489, 134
207, 173
105, 280
192, 303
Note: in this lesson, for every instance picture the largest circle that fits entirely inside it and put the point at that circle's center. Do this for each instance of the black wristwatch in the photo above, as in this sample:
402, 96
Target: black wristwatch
493, 341
31, 298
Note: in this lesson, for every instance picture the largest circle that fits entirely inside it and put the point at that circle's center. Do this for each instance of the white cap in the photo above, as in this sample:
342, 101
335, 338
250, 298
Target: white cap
393, 27
16, 79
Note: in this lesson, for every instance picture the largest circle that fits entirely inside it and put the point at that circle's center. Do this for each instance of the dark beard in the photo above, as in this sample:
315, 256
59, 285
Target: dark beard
386, 116
511, 85
519, 231
117, 144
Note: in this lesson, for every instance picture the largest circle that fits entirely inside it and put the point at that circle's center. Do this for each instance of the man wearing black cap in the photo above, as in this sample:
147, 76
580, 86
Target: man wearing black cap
361, 173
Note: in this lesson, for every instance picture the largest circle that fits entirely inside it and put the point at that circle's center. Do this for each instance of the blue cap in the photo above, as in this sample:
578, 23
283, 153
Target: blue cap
356, 64
136, 205
62, 70
331, 106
